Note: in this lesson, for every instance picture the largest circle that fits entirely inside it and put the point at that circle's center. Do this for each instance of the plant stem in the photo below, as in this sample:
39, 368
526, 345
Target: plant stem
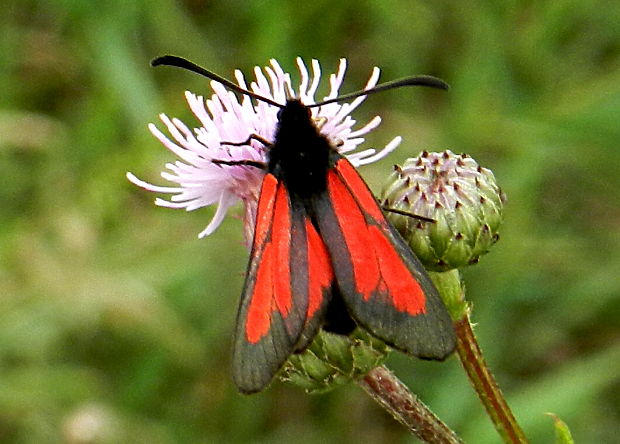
484, 383
452, 292
385, 388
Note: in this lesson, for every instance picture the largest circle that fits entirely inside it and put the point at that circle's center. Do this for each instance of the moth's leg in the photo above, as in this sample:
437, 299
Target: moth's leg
248, 140
252, 163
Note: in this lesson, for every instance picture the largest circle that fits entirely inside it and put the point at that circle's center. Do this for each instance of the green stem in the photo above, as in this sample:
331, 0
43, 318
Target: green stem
485, 385
385, 388
453, 294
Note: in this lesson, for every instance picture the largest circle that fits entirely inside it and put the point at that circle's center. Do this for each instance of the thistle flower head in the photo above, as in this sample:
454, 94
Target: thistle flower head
333, 360
461, 197
225, 119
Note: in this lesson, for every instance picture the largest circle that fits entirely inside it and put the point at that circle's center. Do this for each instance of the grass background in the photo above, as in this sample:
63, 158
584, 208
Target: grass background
115, 320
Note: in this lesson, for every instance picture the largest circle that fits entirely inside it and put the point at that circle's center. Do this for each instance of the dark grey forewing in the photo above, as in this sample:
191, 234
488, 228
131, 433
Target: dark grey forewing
427, 335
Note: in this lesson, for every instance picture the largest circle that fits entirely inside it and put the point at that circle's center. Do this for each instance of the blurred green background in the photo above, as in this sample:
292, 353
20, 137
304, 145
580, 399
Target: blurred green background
116, 321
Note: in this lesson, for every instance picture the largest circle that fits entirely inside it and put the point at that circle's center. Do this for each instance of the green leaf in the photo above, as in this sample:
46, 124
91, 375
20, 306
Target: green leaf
562, 432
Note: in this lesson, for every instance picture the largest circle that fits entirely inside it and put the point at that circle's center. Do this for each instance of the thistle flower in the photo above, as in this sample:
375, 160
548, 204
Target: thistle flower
461, 197
333, 360
225, 119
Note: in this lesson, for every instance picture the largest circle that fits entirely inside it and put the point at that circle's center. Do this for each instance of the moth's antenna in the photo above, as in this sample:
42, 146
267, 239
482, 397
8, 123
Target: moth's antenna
429, 81
180, 62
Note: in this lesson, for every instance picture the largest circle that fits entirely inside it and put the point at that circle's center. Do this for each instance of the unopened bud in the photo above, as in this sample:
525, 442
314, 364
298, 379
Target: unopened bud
333, 360
461, 197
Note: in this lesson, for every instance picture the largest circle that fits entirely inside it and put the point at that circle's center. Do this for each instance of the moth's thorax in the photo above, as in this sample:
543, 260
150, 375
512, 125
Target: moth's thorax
299, 155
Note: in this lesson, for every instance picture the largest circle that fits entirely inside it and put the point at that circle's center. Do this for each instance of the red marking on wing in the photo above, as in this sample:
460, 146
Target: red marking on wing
356, 184
404, 289
264, 211
281, 243
271, 247
259, 312
320, 273
378, 268
355, 231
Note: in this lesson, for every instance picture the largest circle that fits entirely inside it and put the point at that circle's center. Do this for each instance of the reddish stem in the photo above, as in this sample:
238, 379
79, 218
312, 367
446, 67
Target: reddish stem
484, 383
385, 388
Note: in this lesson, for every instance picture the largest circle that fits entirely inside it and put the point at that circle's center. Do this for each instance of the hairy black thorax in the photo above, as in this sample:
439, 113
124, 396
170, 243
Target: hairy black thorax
299, 155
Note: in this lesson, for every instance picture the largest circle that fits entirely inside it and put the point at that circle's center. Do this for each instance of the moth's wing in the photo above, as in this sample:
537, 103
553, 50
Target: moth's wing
384, 286
286, 292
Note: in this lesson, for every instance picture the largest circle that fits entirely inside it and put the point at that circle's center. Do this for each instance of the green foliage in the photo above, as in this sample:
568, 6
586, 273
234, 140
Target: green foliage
116, 320
562, 432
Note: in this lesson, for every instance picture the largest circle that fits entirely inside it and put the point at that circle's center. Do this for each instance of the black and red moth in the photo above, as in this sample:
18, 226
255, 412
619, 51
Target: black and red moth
324, 255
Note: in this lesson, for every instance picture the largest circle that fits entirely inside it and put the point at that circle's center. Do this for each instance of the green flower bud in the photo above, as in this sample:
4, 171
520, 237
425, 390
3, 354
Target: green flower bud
333, 360
463, 200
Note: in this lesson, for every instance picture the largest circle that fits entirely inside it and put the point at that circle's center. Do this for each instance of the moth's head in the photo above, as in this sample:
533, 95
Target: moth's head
294, 113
